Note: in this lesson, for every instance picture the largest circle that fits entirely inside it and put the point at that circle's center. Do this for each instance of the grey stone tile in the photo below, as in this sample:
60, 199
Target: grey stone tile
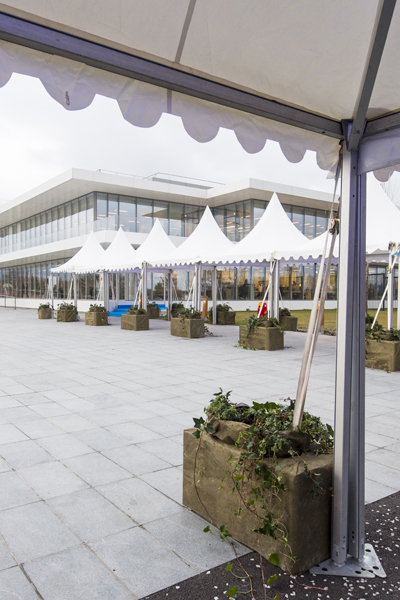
17, 414
24, 454
100, 439
89, 515
71, 423
178, 531
4, 466
14, 492
167, 481
161, 409
136, 460
64, 446
127, 553
133, 432
50, 409
164, 449
376, 491
139, 500
162, 426
15, 586
52, 479
96, 469
91, 579
33, 531
32, 399
6, 559
10, 434
39, 428
382, 474
386, 457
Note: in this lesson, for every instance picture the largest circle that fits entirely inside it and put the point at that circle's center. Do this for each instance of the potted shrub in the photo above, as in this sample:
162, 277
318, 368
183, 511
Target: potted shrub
153, 310
135, 319
96, 316
286, 320
261, 333
66, 313
176, 308
44, 311
225, 315
188, 324
382, 347
248, 473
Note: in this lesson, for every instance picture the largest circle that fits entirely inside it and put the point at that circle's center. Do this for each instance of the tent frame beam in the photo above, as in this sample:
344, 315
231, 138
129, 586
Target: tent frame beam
378, 41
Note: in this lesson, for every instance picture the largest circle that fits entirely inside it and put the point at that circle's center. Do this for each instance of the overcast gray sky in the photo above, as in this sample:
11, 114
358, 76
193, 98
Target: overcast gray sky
40, 139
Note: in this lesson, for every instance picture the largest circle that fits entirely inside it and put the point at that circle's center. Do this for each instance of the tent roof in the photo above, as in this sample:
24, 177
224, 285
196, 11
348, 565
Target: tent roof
90, 254
382, 227
118, 255
210, 63
155, 246
206, 241
274, 233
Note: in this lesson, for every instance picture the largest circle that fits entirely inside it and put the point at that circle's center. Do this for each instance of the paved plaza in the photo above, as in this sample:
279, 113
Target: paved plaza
91, 422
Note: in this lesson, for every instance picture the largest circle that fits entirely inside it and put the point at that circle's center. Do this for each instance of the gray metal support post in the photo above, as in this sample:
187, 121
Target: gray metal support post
348, 500
214, 294
75, 291
199, 303
271, 293
117, 282
276, 290
398, 296
52, 290
135, 285
144, 285
106, 291
170, 299
390, 297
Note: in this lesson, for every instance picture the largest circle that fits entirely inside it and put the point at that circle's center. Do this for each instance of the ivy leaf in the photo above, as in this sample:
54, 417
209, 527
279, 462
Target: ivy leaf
228, 567
265, 405
224, 533
197, 433
274, 559
272, 579
208, 530
210, 429
232, 592
198, 422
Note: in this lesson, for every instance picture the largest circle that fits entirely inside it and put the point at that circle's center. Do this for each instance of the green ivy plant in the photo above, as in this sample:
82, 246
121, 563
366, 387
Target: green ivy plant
254, 322
46, 305
66, 306
256, 482
284, 312
176, 308
97, 308
189, 313
132, 310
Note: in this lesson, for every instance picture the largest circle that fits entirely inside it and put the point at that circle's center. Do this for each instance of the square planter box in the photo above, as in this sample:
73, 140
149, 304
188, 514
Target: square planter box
135, 322
307, 521
288, 323
225, 317
153, 312
383, 355
188, 328
263, 338
66, 316
96, 319
44, 313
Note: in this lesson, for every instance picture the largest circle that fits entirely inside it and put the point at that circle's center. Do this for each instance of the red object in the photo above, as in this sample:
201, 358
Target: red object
264, 309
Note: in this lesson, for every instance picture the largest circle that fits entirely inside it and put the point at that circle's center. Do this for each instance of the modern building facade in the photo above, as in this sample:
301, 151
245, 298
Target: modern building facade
48, 225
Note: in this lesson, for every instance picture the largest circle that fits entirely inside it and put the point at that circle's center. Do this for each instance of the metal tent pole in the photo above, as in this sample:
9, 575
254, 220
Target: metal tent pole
170, 299
271, 291
276, 290
106, 291
348, 518
144, 285
198, 307
75, 291
214, 294
390, 290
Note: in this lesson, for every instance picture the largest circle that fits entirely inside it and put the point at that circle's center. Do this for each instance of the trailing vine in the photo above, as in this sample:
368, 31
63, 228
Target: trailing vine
254, 322
258, 483
132, 310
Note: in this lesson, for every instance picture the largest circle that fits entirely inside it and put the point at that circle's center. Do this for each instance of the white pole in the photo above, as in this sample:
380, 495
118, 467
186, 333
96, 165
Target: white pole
214, 294
75, 291
390, 282
170, 299
117, 288
276, 290
271, 291
144, 285
52, 291
199, 292
106, 292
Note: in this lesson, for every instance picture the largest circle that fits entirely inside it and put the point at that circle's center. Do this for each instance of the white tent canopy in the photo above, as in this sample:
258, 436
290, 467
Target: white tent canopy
205, 49
205, 243
156, 245
91, 253
118, 256
382, 227
274, 235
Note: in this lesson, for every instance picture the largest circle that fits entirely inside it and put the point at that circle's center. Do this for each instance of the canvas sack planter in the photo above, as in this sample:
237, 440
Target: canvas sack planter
153, 312
383, 355
225, 317
288, 323
135, 322
96, 319
263, 338
187, 328
306, 520
44, 313
66, 315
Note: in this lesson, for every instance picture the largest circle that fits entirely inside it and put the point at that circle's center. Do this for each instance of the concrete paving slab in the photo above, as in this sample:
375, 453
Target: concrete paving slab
24, 454
14, 585
51, 479
96, 469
